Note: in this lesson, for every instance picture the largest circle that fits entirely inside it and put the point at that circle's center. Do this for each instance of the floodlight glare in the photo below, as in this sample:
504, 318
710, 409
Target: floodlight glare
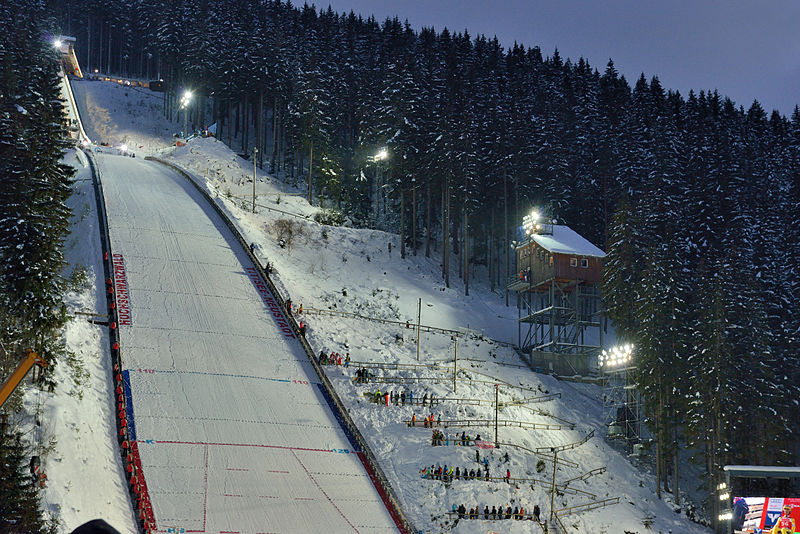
57, 43
124, 148
615, 356
721, 486
725, 516
724, 496
382, 154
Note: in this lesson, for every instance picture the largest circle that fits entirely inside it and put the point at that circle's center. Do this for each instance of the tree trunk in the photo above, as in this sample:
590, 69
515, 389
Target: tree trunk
310, 168
245, 124
490, 249
446, 236
230, 123
273, 164
504, 241
675, 485
402, 224
260, 129
465, 252
414, 217
428, 214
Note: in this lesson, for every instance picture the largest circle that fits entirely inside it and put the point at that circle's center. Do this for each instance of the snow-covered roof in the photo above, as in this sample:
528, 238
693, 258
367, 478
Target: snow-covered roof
757, 471
565, 240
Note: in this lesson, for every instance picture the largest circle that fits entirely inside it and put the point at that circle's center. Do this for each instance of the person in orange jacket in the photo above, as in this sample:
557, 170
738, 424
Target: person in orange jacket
785, 524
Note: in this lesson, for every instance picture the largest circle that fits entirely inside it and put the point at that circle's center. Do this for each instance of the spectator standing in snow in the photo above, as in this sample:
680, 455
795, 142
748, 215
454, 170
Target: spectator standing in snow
252, 248
508, 476
347, 360
536, 512
289, 306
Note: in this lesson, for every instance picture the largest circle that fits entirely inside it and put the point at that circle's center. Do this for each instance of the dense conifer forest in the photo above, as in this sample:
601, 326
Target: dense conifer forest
34, 222
694, 197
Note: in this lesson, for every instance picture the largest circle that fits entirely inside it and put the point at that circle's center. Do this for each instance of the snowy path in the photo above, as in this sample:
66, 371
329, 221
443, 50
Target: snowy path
233, 432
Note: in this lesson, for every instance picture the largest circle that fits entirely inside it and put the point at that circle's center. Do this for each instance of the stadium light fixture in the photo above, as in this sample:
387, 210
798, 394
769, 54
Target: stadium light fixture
381, 155
616, 356
186, 98
530, 223
726, 516
57, 43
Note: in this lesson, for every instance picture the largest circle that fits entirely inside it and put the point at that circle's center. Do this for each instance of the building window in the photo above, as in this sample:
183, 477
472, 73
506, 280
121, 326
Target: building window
550, 257
585, 263
573, 262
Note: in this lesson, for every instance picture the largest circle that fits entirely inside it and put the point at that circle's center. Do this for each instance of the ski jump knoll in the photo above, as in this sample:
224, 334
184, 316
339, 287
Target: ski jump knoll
232, 429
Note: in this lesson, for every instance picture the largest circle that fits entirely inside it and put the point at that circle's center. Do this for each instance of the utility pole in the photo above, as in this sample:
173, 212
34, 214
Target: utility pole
455, 363
419, 323
255, 158
553, 489
496, 409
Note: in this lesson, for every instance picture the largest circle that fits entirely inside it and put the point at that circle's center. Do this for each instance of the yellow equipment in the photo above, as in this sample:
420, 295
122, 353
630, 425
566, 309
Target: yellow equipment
31, 359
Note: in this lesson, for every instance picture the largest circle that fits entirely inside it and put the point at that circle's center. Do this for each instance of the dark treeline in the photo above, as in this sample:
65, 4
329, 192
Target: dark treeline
34, 221
694, 198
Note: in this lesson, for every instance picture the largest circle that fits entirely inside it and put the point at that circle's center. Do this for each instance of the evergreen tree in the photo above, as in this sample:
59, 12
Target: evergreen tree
20, 509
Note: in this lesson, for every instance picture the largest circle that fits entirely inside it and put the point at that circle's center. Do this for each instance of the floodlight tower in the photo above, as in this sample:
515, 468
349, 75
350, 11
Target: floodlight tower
186, 99
621, 406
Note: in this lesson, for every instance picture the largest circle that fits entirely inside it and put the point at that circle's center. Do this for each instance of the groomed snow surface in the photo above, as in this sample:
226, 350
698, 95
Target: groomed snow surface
231, 436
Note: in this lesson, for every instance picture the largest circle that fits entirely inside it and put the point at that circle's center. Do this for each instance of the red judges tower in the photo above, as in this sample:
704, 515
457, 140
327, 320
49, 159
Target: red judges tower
557, 272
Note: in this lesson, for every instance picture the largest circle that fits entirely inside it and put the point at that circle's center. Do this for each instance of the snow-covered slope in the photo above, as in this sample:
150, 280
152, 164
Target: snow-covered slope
352, 270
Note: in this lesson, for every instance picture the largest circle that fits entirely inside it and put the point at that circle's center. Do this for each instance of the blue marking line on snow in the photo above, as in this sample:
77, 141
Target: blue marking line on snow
350, 437
126, 384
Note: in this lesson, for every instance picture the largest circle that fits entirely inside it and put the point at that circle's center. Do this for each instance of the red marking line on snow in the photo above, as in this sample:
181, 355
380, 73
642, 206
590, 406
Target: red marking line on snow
271, 471
283, 447
121, 288
267, 497
304, 499
231, 495
382, 492
228, 532
323, 492
237, 469
273, 306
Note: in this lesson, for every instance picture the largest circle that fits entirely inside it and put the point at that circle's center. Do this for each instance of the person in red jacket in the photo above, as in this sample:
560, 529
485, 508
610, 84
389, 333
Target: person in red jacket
785, 524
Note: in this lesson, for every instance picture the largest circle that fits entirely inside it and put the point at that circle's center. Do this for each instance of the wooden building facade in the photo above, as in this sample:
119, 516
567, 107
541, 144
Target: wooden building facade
557, 299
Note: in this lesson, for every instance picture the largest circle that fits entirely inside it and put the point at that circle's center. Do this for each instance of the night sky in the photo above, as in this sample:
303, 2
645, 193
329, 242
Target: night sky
748, 50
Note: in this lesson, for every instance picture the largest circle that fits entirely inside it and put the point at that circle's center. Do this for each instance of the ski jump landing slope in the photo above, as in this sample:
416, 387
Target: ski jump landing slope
232, 429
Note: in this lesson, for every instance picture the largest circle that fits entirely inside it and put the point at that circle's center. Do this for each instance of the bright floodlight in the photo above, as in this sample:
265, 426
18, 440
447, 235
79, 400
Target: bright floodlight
724, 496
529, 223
124, 148
382, 154
721, 486
186, 98
57, 43
616, 356
725, 516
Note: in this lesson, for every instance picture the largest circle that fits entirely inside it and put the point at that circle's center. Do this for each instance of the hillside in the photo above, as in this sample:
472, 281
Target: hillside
355, 271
